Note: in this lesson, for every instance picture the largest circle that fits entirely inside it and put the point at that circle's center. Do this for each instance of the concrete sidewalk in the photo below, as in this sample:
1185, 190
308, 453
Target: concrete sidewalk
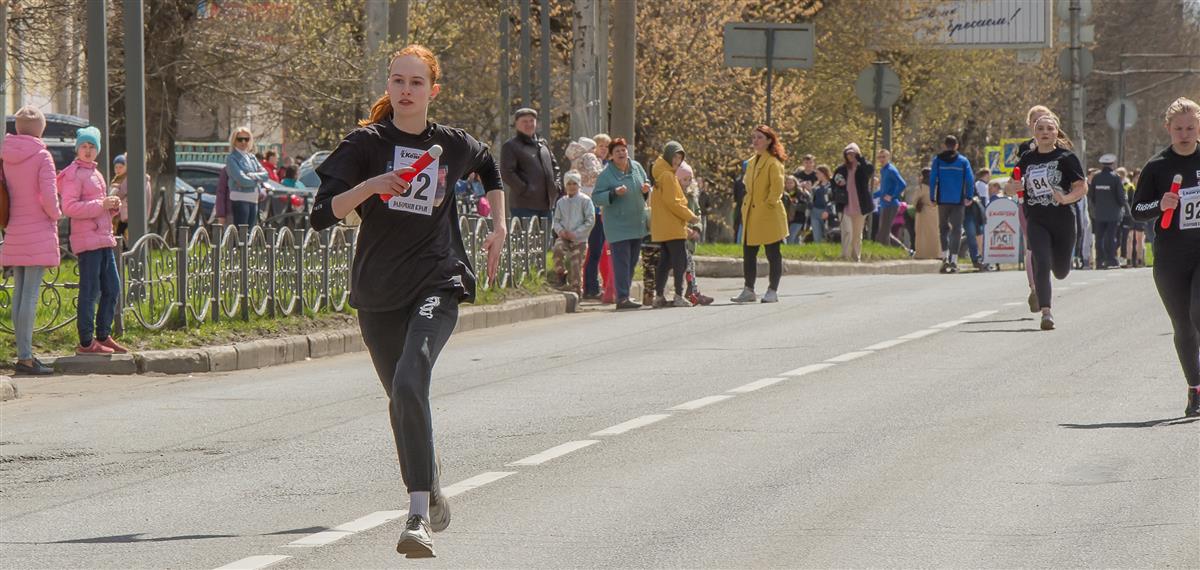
731, 267
275, 351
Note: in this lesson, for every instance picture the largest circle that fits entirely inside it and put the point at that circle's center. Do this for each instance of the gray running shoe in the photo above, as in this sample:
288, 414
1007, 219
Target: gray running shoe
681, 302
1047, 322
439, 504
747, 296
415, 541
660, 302
771, 296
1033, 302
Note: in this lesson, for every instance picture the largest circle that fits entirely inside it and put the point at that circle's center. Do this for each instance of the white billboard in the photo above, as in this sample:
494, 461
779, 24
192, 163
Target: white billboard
1016, 24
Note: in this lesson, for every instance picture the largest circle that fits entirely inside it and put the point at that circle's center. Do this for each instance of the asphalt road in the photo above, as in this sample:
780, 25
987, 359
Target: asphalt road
947, 432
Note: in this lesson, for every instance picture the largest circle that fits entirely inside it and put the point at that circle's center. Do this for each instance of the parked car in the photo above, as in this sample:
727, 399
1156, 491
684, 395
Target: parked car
281, 199
59, 136
308, 169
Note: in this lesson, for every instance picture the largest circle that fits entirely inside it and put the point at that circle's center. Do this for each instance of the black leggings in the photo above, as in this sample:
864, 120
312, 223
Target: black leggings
673, 257
1178, 280
750, 264
404, 345
950, 227
1051, 237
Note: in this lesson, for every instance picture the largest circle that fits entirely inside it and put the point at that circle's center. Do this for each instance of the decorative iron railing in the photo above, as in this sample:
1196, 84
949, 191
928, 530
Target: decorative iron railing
210, 273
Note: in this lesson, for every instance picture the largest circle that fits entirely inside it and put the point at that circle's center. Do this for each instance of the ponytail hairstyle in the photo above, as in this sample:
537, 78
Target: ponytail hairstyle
775, 148
1061, 139
382, 109
1182, 106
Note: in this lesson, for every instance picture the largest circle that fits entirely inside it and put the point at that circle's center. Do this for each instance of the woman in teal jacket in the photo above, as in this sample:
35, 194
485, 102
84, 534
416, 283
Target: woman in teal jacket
621, 192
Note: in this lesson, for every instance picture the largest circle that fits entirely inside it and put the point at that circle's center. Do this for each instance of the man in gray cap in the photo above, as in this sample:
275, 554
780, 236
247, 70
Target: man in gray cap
528, 169
1106, 196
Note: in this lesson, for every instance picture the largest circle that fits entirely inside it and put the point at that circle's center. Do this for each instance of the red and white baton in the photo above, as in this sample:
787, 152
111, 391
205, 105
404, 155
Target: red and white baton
1168, 215
1016, 175
425, 160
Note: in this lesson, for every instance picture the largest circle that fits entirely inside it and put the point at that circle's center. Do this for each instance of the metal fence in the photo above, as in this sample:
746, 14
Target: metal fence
213, 273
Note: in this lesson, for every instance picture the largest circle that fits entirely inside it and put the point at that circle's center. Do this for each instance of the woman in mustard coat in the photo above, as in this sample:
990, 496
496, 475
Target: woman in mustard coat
669, 218
764, 215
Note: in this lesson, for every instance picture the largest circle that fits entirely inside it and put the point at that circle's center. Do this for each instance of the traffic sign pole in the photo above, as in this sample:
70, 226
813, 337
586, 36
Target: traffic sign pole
770, 71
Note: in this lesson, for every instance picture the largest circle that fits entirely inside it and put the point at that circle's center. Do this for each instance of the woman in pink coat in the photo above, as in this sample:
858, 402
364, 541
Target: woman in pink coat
86, 201
31, 239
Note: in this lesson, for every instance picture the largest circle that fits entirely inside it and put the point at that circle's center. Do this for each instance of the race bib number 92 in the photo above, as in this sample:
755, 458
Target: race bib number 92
423, 195
1189, 208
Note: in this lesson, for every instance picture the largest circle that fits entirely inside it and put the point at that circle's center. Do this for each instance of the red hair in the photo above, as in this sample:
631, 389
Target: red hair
382, 109
774, 147
619, 141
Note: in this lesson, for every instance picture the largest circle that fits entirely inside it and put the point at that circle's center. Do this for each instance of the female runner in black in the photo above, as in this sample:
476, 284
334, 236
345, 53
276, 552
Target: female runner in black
410, 268
1177, 247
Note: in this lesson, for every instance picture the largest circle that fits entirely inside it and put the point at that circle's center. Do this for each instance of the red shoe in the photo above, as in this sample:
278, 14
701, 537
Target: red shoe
112, 344
94, 348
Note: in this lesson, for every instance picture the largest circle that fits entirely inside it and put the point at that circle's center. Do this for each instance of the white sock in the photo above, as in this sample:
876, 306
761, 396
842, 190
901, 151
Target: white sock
953, 259
945, 255
418, 504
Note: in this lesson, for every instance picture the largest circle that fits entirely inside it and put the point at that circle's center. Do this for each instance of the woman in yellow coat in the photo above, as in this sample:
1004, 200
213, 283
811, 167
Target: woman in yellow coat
764, 215
669, 218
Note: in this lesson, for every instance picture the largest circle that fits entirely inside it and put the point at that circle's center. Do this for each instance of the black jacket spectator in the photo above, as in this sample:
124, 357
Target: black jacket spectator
530, 173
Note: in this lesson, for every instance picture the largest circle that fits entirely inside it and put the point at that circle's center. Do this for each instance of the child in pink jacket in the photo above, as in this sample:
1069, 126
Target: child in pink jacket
86, 201
31, 239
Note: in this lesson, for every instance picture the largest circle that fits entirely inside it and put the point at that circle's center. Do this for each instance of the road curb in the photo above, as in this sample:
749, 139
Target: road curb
729, 267
275, 351
8, 390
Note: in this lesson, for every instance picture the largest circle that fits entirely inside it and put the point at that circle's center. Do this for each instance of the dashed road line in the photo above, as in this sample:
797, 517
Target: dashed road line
254, 562
701, 402
947, 324
475, 482
632, 424
809, 369
756, 385
887, 344
981, 314
850, 356
920, 334
343, 530
554, 452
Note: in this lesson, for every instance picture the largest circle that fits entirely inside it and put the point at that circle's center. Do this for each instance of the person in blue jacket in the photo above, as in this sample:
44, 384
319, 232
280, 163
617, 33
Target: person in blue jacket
951, 185
891, 193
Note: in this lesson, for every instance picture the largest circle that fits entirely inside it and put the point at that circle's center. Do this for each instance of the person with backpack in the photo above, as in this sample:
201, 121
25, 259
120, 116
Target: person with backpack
951, 185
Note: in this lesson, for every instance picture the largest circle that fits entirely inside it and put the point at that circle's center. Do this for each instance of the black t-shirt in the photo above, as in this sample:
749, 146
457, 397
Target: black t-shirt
1044, 174
406, 249
1183, 235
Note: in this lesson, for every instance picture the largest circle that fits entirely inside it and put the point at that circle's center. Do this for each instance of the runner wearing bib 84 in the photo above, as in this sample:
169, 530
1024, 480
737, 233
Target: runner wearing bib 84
1177, 247
1053, 179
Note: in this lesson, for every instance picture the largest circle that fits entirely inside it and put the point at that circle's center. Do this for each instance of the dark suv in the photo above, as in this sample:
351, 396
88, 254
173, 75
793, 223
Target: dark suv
59, 136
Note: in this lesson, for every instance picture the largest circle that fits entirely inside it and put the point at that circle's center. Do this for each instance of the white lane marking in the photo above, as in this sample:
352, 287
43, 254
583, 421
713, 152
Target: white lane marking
886, 344
701, 402
850, 356
254, 562
920, 334
556, 451
756, 385
947, 324
475, 482
980, 315
632, 424
343, 530
1014, 304
809, 369
1083, 283
1063, 288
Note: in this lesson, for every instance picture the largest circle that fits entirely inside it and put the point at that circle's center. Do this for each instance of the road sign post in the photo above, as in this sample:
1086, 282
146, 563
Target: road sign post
769, 46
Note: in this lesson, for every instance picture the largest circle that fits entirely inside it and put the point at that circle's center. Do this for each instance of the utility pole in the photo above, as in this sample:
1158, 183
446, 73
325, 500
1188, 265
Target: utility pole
4, 63
135, 118
547, 102
503, 111
376, 28
1077, 93
526, 48
398, 23
97, 64
601, 41
624, 70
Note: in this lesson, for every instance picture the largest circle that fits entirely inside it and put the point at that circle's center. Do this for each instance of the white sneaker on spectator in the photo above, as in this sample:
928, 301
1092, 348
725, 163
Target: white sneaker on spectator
660, 302
747, 296
681, 302
771, 296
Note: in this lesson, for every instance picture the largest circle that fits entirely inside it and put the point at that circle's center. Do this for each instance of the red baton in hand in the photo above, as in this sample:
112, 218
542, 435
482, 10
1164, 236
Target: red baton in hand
1016, 175
1168, 215
425, 160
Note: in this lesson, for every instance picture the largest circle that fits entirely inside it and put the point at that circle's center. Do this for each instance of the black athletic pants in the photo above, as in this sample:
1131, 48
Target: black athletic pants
950, 226
750, 264
404, 345
673, 257
1106, 243
1052, 241
1177, 276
